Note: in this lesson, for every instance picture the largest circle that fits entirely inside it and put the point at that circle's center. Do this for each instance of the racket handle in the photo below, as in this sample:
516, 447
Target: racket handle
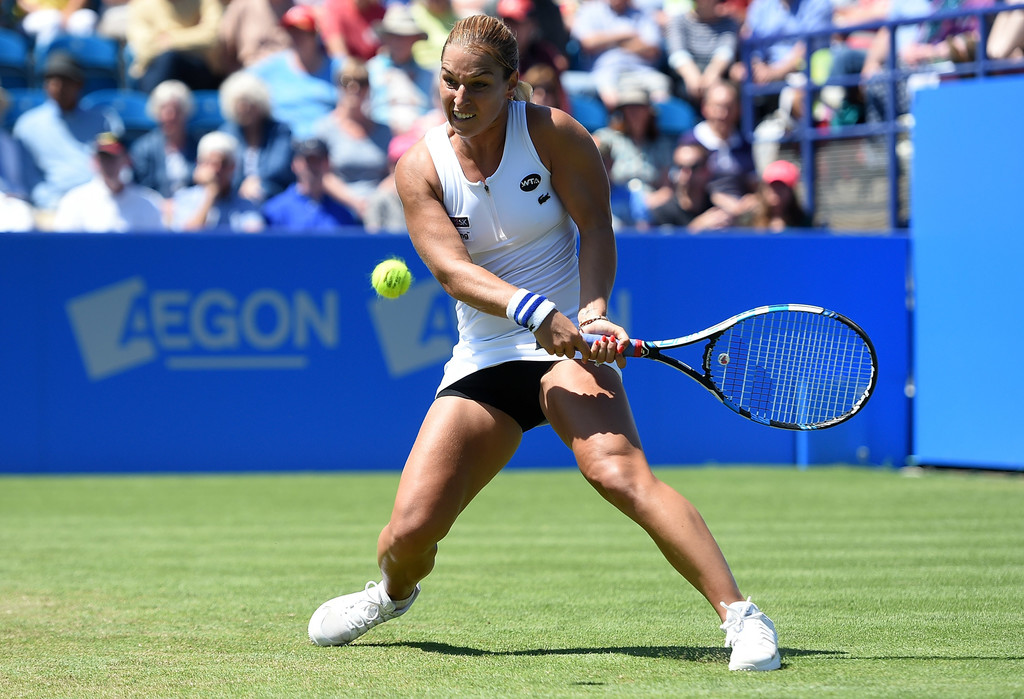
633, 349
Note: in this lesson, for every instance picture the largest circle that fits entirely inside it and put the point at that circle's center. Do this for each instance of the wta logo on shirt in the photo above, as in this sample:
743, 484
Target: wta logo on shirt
530, 182
126, 325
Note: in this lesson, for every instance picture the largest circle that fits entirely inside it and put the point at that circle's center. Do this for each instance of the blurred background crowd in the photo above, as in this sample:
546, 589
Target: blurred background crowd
249, 115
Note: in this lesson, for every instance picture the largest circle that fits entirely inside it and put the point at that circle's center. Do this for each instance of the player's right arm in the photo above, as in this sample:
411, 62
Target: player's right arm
439, 245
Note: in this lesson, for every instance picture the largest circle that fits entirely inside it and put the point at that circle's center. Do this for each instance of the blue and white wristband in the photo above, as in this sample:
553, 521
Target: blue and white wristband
528, 309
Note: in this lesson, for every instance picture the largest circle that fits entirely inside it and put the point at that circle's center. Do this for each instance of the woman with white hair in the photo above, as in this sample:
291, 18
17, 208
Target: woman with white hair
164, 158
264, 157
213, 204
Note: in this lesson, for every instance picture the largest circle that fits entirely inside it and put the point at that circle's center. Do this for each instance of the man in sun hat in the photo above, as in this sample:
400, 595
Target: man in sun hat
401, 91
58, 135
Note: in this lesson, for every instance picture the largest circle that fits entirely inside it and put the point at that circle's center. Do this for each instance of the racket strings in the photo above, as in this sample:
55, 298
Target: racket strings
793, 367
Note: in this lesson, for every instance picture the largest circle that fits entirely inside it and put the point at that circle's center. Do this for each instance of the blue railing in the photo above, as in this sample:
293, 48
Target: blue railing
807, 136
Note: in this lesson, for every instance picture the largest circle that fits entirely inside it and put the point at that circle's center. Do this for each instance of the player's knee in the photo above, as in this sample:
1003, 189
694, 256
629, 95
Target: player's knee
622, 481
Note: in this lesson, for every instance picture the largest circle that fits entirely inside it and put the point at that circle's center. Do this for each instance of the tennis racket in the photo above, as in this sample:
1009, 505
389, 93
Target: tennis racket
792, 366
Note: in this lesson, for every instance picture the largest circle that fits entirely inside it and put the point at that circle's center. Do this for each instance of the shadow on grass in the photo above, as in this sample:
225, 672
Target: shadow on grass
698, 654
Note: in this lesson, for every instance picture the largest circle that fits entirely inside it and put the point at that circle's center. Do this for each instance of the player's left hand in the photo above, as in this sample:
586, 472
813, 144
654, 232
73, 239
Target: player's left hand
609, 348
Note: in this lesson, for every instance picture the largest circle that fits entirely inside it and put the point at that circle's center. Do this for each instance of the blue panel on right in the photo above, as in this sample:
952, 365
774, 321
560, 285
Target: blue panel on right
968, 251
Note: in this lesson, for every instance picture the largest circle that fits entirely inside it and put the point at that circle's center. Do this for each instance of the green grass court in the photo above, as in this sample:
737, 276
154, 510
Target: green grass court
171, 586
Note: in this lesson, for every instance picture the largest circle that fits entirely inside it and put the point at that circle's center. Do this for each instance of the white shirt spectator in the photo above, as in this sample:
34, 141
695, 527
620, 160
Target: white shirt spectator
94, 208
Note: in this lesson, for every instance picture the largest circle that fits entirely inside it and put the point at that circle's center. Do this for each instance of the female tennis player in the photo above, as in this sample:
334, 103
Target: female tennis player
494, 201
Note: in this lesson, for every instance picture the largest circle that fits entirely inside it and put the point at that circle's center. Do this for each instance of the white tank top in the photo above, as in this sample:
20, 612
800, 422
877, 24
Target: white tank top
515, 226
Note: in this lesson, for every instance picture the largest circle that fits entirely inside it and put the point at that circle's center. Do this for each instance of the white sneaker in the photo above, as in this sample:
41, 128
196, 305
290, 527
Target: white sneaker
344, 619
755, 645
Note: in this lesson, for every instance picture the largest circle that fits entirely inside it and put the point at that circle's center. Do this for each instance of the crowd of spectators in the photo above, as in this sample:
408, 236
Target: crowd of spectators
319, 99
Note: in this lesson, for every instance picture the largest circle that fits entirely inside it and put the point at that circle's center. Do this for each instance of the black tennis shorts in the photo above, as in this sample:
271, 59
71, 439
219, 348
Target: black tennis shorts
512, 387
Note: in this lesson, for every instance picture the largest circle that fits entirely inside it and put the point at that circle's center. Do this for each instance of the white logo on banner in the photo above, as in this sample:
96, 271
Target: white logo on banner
124, 325
418, 329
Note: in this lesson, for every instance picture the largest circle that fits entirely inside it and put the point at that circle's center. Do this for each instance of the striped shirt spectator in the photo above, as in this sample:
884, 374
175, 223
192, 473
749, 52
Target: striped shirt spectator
701, 46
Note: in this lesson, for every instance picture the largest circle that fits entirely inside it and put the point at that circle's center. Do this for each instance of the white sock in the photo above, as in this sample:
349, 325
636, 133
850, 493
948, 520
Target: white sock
401, 603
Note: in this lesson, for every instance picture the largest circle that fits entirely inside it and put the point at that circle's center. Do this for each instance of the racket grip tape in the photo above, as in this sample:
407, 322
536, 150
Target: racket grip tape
633, 349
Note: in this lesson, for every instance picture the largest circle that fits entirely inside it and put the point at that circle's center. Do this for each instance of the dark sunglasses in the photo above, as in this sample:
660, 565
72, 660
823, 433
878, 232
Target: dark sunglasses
675, 170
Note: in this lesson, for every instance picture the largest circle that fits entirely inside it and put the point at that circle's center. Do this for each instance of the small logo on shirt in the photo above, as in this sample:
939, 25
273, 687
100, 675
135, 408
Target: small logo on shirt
530, 182
543, 198
460, 221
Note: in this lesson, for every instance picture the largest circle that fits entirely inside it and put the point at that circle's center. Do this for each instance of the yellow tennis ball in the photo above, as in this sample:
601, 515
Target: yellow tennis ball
391, 278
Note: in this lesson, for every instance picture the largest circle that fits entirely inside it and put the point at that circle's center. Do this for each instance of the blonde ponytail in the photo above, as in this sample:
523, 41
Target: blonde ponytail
523, 92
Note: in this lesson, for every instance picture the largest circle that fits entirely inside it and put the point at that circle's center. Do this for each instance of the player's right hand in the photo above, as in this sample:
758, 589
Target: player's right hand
559, 336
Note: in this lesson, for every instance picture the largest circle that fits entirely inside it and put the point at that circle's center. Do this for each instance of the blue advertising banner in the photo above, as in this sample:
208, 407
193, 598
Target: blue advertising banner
182, 353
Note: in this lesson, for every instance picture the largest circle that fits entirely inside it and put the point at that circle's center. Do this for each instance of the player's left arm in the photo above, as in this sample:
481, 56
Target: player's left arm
579, 178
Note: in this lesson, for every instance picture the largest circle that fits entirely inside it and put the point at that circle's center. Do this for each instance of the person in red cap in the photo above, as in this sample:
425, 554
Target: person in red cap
778, 205
109, 203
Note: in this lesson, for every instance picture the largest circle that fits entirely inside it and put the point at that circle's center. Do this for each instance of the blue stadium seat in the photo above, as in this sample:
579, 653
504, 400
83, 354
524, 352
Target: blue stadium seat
99, 56
127, 58
14, 60
676, 116
129, 105
207, 116
22, 99
588, 110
